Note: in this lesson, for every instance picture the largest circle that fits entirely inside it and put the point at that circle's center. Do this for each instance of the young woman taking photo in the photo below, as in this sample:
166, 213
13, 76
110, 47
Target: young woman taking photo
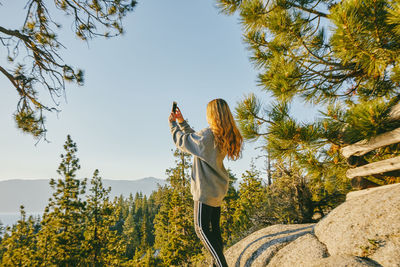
210, 180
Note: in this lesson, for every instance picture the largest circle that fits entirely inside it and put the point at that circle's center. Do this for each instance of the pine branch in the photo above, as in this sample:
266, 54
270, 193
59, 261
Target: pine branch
12, 80
309, 10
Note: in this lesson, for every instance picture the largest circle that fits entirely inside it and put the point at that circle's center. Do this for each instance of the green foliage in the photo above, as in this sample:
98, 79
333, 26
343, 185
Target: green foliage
343, 56
95, 232
19, 245
103, 245
74, 232
1, 240
289, 199
251, 193
247, 112
146, 231
174, 228
28, 123
161, 221
393, 17
363, 37
368, 119
144, 258
62, 235
229, 6
131, 235
228, 207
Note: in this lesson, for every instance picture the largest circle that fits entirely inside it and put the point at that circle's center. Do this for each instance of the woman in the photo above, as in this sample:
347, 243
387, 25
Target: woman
210, 180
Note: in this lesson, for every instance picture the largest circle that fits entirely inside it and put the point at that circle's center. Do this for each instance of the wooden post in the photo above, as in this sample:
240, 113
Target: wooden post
363, 147
375, 168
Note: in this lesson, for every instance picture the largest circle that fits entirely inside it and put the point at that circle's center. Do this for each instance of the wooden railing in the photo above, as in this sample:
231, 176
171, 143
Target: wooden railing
352, 152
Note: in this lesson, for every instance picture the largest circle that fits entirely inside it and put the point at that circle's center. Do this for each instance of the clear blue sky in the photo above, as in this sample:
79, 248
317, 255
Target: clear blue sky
181, 50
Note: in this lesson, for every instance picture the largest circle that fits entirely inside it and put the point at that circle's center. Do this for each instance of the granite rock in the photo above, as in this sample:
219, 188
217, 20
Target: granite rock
258, 248
367, 224
304, 251
342, 261
363, 231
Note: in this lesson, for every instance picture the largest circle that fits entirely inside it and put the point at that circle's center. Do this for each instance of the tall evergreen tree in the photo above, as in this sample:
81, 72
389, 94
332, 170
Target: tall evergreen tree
288, 198
62, 235
161, 220
145, 232
132, 224
152, 207
148, 260
174, 228
1, 240
102, 245
228, 208
20, 245
252, 193
138, 225
131, 235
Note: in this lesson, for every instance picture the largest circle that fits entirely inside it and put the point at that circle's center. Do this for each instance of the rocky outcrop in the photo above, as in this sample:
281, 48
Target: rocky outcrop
342, 261
366, 225
258, 248
363, 231
302, 251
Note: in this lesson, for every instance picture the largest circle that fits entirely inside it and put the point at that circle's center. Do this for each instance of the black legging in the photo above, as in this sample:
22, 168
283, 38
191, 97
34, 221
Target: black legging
206, 225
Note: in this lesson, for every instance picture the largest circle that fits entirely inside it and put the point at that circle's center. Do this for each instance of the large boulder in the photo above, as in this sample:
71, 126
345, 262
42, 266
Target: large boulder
304, 251
258, 248
342, 261
363, 231
367, 224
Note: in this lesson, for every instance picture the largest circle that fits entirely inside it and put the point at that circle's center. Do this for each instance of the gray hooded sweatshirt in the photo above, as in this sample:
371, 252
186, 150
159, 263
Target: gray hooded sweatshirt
209, 181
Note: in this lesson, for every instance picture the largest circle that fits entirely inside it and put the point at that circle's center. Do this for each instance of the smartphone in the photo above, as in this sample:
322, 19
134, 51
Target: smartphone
174, 104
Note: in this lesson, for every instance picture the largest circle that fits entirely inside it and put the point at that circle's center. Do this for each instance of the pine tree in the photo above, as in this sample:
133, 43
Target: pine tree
1, 240
161, 220
20, 244
228, 208
148, 260
62, 235
341, 56
144, 233
125, 209
133, 222
137, 257
174, 228
288, 198
152, 207
144, 258
252, 193
131, 236
102, 245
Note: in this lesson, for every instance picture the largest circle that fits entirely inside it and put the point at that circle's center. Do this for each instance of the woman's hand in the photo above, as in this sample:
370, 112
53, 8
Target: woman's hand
178, 115
172, 117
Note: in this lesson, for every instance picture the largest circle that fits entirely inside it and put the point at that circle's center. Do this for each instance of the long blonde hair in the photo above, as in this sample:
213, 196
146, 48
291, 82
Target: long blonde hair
227, 136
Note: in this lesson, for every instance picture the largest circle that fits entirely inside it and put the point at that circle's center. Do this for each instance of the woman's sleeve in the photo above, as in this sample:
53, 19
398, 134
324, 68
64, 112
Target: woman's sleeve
192, 142
184, 126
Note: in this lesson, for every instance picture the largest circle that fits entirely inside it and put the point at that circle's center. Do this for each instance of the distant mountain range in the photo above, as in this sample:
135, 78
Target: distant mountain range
34, 194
